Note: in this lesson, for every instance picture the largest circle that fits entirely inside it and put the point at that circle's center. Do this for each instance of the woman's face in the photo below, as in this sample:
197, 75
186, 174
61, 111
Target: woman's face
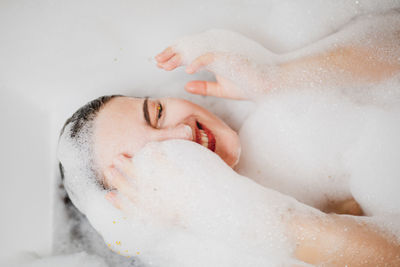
124, 125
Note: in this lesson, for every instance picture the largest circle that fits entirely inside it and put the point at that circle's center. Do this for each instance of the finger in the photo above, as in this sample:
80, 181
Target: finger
200, 62
165, 55
172, 63
119, 202
204, 88
211, 89
124, 164
118, 181
112, 198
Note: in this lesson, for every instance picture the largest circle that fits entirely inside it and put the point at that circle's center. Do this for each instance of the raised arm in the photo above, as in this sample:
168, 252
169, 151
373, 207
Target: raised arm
238, 75
339, 66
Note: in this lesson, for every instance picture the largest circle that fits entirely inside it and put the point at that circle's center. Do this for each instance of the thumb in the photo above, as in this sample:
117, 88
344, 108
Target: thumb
209, 89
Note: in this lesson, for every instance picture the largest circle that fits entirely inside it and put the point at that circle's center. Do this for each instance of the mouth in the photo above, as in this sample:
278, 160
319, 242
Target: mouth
205, 137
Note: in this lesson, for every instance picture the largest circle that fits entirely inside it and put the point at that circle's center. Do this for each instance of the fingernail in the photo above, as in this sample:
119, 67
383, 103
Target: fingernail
189, 88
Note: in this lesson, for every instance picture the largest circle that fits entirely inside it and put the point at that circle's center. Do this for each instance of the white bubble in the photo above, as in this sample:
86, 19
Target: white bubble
77, 259
190, 210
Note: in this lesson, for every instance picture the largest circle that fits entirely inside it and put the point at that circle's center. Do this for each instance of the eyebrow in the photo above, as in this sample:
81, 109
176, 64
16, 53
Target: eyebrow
146, 111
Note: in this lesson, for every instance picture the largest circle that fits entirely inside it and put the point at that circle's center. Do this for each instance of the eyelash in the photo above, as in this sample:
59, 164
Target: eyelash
159, 110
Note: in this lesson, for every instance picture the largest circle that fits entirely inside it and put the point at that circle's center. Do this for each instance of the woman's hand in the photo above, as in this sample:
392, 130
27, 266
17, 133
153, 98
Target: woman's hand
116, 179
223, 87
238, 72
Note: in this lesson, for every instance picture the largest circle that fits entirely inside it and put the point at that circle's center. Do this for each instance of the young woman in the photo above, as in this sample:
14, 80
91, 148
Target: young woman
121, 126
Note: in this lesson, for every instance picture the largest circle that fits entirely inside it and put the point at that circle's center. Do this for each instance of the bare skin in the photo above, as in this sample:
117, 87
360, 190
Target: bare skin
122, 128
342, 66
335, 240
358, 242
361, 64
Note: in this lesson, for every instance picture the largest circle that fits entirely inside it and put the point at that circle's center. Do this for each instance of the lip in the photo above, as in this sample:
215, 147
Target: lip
210, 135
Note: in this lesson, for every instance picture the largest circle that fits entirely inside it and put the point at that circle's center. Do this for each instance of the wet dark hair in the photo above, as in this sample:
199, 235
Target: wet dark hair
81, 118
79, 228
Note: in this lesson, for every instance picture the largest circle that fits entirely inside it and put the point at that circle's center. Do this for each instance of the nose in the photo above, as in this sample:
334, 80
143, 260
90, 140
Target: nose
181, 131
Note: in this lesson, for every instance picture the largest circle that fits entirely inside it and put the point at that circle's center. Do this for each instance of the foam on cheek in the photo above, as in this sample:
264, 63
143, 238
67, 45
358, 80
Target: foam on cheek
189, 190
191, 209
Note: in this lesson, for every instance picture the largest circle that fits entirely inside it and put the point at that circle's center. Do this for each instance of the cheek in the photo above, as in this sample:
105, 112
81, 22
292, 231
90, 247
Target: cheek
130, 144
108, 148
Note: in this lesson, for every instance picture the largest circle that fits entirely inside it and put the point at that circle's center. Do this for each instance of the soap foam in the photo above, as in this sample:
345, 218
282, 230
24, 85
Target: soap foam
323, 143
315, 145
191, 209
324, 146
77, 259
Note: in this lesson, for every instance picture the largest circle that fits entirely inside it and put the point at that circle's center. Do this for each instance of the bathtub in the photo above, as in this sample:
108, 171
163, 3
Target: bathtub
57, 55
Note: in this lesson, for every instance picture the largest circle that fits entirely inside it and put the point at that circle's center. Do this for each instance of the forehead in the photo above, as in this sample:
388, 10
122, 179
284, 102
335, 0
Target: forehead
117, 107
117, 116
118, 128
